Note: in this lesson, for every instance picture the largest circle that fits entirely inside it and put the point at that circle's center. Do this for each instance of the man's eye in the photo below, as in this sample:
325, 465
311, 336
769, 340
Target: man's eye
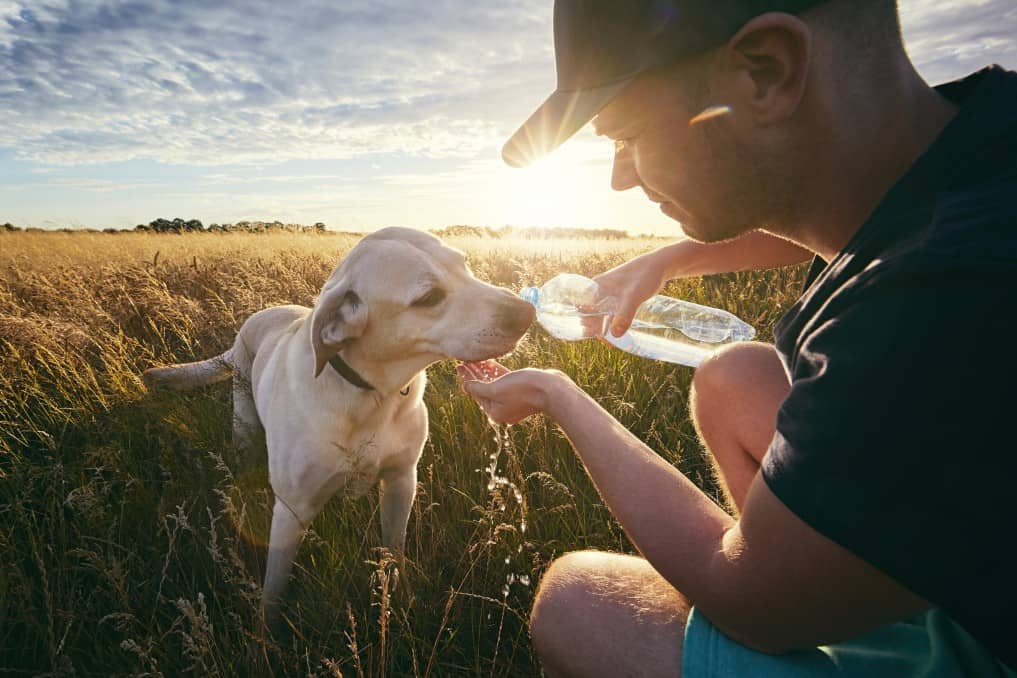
432, 298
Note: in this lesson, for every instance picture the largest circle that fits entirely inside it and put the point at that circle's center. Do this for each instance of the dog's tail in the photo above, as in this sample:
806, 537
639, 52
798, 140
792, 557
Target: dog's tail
190, 375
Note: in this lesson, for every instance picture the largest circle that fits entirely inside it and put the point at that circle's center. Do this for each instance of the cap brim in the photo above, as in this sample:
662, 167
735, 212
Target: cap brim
558, 118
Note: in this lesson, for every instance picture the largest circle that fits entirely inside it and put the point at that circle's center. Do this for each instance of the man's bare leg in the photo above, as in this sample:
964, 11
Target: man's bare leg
735, 398
607, 614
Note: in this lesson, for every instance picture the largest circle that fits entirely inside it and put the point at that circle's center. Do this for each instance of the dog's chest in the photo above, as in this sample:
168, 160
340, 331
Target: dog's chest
356, 460
357, 452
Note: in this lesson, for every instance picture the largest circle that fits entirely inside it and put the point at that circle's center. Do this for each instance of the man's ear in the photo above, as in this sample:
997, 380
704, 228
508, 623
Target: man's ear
771, 56
339, 316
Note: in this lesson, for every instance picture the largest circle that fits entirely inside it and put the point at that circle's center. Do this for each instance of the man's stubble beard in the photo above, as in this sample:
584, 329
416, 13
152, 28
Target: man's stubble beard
757, 194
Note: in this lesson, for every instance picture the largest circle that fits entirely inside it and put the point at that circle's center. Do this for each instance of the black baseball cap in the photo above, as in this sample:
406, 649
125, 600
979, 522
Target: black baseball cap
600, 46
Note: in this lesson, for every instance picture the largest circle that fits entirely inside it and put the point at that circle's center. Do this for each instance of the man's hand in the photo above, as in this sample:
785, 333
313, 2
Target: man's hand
637, 280
631, 284
506, 396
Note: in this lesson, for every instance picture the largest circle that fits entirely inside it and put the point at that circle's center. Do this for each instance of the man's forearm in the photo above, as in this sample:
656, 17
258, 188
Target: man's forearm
676, 526
755, 250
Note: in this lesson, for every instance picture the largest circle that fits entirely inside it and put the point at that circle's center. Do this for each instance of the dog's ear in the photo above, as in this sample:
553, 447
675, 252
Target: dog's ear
338, 317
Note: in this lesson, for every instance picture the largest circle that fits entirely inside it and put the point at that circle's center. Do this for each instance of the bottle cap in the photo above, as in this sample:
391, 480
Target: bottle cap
531, 294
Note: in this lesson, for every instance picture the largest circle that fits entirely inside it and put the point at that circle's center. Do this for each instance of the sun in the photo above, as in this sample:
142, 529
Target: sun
553, 192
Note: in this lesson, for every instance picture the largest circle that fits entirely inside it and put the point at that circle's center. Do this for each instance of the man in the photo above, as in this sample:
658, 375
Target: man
866, 453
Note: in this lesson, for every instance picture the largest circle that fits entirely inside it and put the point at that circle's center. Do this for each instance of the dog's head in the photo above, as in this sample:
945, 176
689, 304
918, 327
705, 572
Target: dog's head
402, 296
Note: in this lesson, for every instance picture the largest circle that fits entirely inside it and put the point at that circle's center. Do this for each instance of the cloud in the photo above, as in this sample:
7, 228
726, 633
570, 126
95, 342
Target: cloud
209, 83
947, 40
262, 81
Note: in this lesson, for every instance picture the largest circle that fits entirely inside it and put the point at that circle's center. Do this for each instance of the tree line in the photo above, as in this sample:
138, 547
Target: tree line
458, 230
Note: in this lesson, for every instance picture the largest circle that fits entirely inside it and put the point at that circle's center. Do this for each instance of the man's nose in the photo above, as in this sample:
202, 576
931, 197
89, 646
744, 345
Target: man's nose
623, 172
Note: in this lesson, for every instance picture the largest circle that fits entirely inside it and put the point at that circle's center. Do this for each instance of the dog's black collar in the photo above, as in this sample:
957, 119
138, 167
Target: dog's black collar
348, 373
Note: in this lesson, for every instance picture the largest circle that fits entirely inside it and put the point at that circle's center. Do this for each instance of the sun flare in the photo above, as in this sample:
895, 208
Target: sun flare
556, 190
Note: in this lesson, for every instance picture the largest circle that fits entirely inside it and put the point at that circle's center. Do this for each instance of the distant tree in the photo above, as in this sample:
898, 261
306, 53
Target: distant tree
10, 227
178, 225
461, 230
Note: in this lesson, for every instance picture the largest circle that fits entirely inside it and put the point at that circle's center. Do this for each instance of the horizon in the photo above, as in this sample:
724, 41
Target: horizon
181, 226
358, 116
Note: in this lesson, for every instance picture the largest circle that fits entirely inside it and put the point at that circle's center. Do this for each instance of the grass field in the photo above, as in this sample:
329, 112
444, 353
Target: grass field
129, 547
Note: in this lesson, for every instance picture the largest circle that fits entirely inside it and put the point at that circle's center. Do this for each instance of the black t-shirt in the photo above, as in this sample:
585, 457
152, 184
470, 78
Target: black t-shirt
897, 439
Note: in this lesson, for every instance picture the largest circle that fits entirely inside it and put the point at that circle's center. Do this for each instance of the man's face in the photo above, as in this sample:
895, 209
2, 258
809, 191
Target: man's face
692, 165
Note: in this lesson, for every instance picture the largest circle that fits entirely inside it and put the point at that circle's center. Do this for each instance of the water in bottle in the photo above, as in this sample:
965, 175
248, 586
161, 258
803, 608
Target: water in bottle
664, 328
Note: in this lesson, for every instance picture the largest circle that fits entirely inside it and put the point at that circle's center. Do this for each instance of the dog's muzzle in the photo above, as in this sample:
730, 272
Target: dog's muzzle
515, 317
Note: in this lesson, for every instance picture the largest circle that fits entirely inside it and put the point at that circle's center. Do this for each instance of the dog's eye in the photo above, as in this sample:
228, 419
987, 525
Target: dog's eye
432, 298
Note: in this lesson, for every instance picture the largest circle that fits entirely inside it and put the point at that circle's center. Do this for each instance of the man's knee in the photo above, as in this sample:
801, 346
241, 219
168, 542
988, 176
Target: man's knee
601, 613
575, 598
562, 590
729, 368
734, 373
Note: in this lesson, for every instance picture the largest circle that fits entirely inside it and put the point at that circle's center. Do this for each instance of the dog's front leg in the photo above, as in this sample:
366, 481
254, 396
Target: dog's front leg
398, 488
287, 532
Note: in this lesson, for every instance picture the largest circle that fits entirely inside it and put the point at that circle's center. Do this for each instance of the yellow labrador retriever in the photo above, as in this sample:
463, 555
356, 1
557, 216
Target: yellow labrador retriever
335, 392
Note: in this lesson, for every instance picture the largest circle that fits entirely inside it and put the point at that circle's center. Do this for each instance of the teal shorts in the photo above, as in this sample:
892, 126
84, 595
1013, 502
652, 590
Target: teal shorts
931, 646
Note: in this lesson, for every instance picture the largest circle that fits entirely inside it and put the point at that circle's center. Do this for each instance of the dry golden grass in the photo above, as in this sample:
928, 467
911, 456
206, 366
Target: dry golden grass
128, 545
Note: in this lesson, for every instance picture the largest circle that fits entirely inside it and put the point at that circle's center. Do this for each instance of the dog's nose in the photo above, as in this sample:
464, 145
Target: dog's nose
515, 316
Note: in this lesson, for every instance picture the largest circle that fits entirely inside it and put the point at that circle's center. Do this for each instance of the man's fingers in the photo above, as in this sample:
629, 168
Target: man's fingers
478, 389
475, 390
620, 324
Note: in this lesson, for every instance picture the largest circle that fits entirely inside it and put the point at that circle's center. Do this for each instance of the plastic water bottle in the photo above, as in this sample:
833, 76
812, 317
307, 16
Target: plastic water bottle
664, 328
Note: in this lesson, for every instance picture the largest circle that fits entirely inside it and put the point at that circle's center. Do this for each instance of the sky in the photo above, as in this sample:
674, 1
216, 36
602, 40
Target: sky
359, 114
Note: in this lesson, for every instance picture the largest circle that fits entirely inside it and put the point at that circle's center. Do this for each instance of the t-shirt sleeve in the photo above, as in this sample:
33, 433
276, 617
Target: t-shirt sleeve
890, 441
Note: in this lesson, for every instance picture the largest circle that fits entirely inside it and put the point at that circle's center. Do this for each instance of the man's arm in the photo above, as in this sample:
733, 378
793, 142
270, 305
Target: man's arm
638, 279
768, 580
755, 250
